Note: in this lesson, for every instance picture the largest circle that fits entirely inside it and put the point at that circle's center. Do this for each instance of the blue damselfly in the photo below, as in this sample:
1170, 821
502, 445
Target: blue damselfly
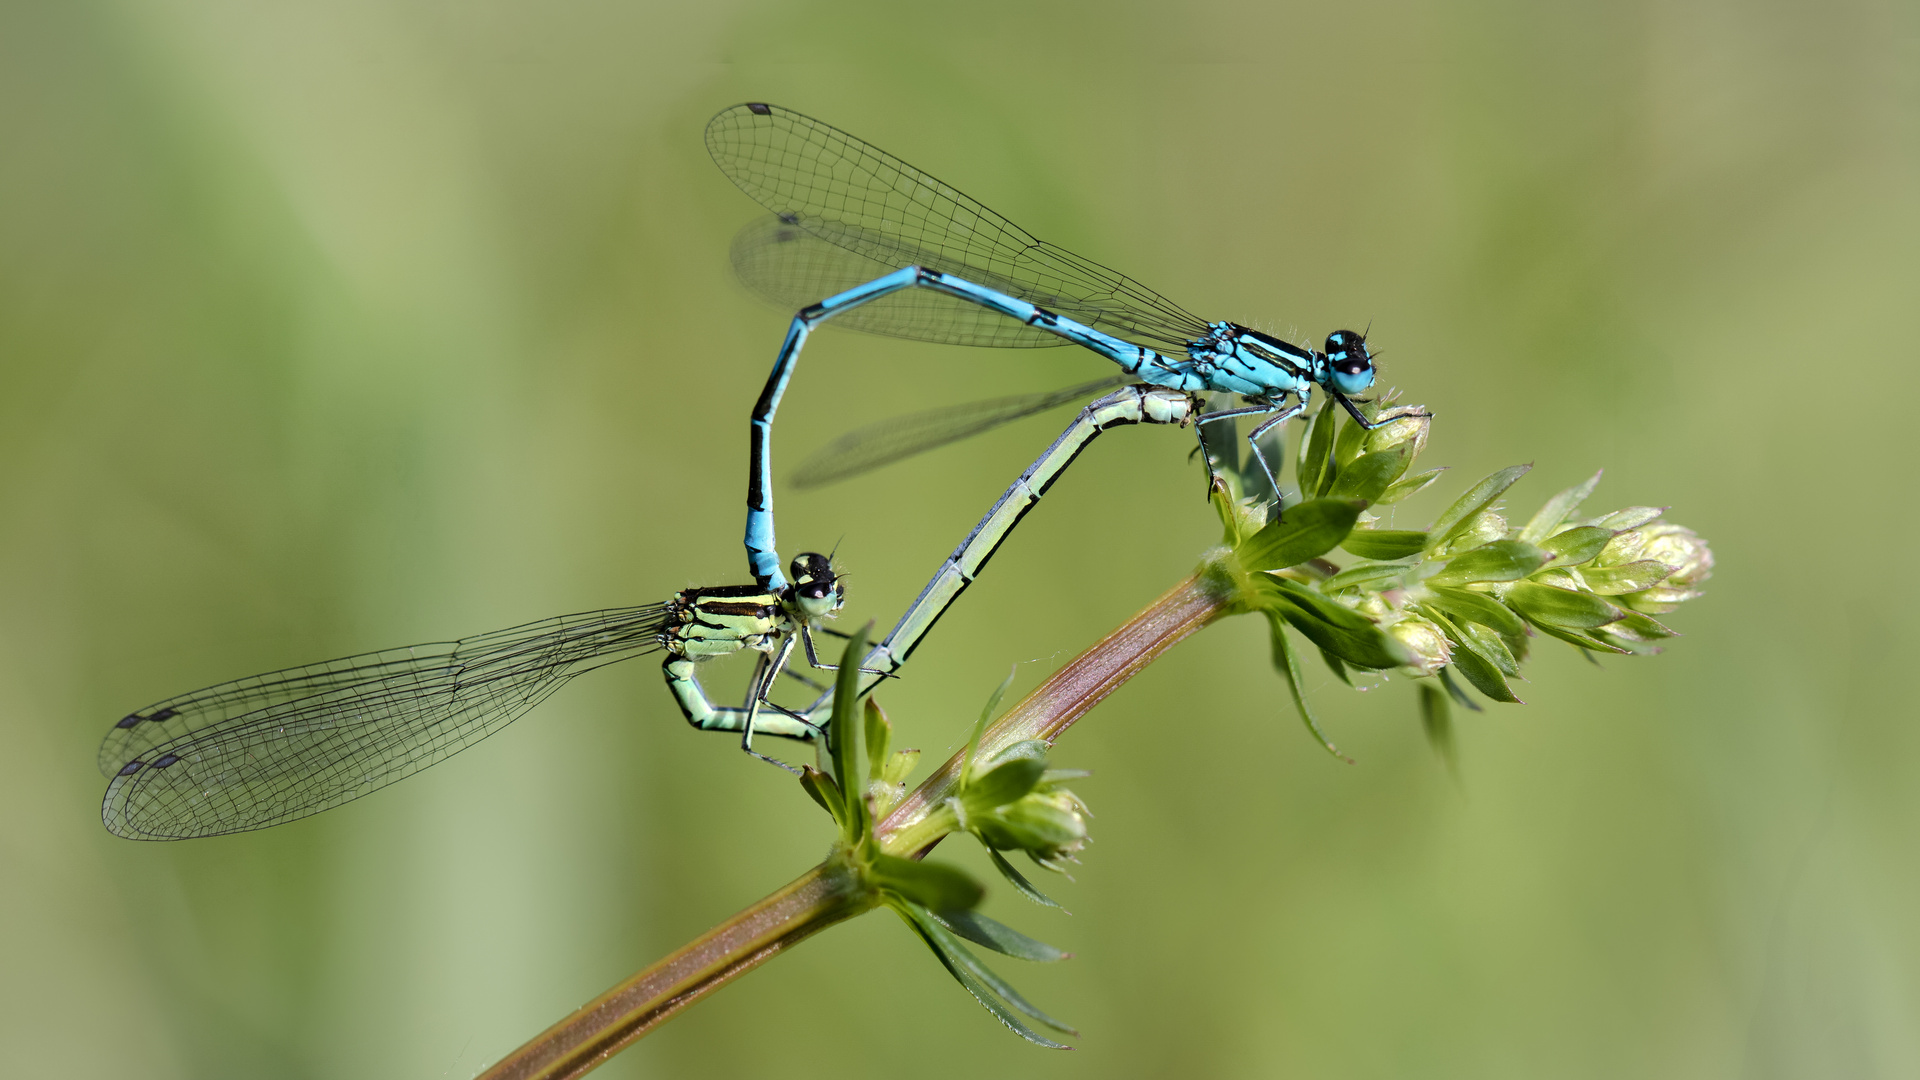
896, 251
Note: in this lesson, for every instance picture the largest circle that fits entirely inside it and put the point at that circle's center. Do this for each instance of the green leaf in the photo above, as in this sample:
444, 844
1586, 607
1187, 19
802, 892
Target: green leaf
899, 766
1315, 467
980, 981
1002, 784
1631, 517
1635, 626
1577, 545
1476, 639
1337, 666
1370, 576
1457, 694
1580, 641
1019, 881
1288, 665
1500, 560
933, 885
1307, 531
1464, 509
1436, 718
1560, 607
843, 736
879, 735
1476, 607
825, 792
1484, 676
1384, 544
1348, 444
1491, 649
1409, 486
1340, 630
986, 715
1628, 578
1556, 510
999, 937
1370, 476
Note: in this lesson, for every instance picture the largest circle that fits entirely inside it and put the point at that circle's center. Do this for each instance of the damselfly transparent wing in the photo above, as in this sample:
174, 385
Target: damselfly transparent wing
791, 268
891, 440
271, 748
858, 196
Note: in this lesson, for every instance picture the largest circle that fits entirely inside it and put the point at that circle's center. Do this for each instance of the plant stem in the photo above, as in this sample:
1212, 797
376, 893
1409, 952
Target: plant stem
603, 1027
827, 894
1067, 695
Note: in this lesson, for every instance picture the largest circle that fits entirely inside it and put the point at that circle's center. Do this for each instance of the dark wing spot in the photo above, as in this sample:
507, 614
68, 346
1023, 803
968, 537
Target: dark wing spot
132, 767
164, 714
129, 720
759, 108
165, 760
790, 218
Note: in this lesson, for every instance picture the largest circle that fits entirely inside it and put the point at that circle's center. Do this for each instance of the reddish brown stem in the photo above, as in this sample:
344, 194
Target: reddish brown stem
603, 1027
829, 894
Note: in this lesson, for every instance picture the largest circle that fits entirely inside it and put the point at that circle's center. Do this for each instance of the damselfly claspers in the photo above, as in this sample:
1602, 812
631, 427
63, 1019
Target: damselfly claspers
930, 263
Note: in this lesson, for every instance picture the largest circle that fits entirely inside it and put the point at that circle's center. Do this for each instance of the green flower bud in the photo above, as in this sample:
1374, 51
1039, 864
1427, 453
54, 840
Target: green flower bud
1681, 548
1426, 641
1050, 825
1400, 425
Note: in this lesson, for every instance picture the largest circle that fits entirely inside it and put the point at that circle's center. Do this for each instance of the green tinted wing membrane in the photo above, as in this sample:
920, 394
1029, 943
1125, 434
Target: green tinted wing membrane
272, 748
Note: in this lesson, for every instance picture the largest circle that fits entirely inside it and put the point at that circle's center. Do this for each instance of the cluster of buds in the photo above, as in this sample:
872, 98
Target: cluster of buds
1467, 595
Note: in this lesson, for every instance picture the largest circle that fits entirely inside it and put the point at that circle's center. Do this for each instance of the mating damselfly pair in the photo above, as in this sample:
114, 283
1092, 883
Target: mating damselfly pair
857, 236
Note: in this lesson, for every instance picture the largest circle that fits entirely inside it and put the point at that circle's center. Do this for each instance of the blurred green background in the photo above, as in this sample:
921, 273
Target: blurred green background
328, 326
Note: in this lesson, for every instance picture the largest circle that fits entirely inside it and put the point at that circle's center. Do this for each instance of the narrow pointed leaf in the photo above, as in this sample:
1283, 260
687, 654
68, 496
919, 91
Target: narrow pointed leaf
1561, 607
1501, 560
1477, 607
1436, 719
1340, 630
947, 949
843, 735
825, 792
1385, 544
1371, 475
964, 957
1556, 510
1580, 641
1348, 444
1631, 517
1308, 531
1484, 676
1019, 881
1577, 545
1337, 666
1457, 694
1372, 576
986, 715
1481, 496
936, 886
999, 937
1629, 578
1315, 467
1002, 784
879, 736
1288, 665
1637, 627
1408, 486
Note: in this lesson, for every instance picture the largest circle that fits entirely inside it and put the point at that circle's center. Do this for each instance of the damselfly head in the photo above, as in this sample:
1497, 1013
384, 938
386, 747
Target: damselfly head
816, 589
1349, 364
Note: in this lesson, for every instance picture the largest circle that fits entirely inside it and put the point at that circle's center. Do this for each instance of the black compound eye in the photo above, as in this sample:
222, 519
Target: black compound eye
815, 590
1350, 366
